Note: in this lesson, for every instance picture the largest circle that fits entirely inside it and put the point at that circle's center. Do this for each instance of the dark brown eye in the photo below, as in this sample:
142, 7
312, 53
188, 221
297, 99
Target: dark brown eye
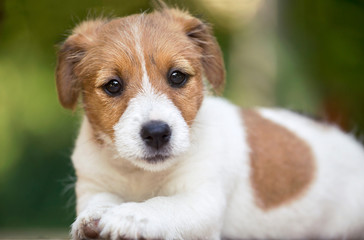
113, 87
177, 78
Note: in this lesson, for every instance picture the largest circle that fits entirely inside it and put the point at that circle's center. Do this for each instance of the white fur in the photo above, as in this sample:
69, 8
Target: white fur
206, 192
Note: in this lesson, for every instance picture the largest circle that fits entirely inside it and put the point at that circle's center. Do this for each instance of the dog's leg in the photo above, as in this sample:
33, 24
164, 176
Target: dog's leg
86, 224
193, 215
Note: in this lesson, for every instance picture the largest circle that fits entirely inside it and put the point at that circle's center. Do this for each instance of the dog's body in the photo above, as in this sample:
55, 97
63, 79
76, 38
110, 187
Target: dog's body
157, 159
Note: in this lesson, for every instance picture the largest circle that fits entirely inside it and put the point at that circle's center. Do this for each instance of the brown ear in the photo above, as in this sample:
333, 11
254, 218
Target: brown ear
70, 54
201, 35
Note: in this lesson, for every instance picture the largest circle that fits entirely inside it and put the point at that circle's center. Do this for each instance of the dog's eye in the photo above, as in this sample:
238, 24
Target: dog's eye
113, 87
177, 78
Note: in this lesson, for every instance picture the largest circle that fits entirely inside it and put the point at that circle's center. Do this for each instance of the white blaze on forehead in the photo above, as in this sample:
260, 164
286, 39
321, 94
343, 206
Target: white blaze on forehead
146, 86
151, 107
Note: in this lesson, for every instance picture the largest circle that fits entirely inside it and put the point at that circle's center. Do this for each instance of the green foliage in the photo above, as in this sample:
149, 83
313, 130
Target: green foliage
327, 38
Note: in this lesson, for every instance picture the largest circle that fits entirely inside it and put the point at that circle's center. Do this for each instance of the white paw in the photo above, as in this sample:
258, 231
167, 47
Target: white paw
133, 221
86, 224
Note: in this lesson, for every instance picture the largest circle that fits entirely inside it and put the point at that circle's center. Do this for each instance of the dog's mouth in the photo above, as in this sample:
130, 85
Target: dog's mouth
156, 158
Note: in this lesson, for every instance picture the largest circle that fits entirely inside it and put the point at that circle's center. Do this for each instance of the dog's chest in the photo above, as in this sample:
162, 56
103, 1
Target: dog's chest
138, 186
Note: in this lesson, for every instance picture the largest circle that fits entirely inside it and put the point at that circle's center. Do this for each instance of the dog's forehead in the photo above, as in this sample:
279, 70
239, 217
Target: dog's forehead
153, 33
125, 44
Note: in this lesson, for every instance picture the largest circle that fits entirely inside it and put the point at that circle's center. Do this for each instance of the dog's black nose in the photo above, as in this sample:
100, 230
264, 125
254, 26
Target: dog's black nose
156, 134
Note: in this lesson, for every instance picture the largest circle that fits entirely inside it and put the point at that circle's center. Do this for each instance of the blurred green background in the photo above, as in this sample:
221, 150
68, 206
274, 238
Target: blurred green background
306, 55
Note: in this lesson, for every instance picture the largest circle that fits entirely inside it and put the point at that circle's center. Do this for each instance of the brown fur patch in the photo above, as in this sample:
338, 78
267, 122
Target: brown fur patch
282, 164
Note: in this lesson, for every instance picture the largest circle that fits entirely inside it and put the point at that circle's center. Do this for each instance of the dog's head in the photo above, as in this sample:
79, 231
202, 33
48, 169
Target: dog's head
141, 80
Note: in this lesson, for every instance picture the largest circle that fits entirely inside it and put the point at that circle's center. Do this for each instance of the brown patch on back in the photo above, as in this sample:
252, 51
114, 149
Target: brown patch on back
282, 164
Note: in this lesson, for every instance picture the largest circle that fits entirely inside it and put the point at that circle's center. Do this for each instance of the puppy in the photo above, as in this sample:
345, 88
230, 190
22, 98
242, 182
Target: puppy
158, 159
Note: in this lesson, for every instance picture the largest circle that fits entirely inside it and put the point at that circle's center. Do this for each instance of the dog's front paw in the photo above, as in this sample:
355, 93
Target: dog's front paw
86, 224
132, 221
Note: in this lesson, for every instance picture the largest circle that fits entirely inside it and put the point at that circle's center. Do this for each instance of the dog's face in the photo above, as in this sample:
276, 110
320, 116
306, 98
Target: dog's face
141, 81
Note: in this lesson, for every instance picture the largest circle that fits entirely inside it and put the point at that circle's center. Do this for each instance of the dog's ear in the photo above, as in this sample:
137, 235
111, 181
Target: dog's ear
69, 56
201, 35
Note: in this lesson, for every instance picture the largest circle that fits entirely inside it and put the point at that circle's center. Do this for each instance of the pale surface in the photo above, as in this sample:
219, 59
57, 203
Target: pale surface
34, 234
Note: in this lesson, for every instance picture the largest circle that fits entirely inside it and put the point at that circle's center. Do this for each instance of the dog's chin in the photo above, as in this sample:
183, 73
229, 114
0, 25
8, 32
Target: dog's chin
155, 163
